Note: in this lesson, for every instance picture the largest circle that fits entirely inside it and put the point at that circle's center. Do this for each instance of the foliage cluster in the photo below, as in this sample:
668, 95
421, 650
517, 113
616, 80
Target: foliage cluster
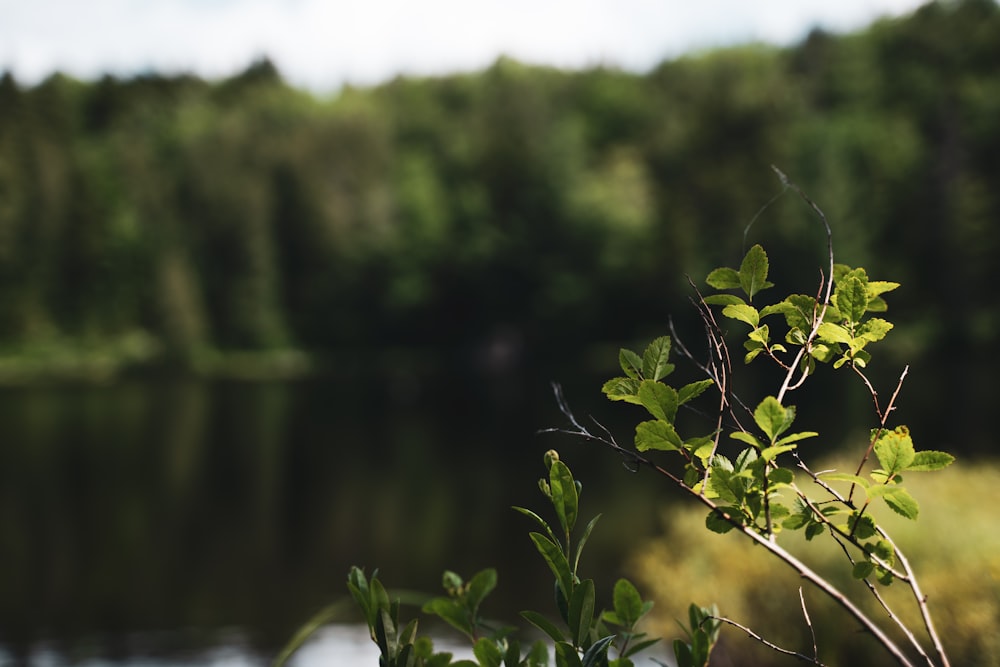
758, 489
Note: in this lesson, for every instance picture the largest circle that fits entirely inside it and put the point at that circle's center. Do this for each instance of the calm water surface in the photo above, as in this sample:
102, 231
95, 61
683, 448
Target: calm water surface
180, 522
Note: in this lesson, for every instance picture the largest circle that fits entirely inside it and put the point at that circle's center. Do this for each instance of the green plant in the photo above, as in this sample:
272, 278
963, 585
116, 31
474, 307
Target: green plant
756, 491
583, 635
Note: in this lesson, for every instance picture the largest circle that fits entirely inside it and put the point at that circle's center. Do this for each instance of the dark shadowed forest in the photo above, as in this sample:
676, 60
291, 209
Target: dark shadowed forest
515, 215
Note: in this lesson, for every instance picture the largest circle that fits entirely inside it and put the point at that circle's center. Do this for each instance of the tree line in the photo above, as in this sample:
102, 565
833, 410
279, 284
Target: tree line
554, 207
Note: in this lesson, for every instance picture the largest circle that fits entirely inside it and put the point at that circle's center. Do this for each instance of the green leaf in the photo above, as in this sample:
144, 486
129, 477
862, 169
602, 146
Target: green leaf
487, 653
844, 477
876, 287
796, 437
539, 520
862, 569
753, 272
627, 602
717, 523
654, 359
565, 499
640, 646
894, 450
769, 453
481, 585
583, 541
622, 389
581, 611
773, 418
781, 476
743, 313
724, 278
659, 399
451, 612
930, 460
556, 560
742, 436
631, 363
597, 654
874, 330
833, 333
538, 656
566, 655
851, 298
899, 501
658, 435
862, 527
814, 529
692, 390
723, 299
543, 624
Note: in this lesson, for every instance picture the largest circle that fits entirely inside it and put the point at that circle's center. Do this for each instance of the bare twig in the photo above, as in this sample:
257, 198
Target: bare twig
883, 417
885, 606
812, 632
774, 647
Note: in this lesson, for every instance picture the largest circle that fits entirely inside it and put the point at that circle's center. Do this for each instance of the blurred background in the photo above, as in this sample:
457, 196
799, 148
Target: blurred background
257, 327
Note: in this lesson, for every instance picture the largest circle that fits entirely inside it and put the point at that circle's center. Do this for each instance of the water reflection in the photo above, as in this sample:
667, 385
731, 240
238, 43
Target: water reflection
154, 518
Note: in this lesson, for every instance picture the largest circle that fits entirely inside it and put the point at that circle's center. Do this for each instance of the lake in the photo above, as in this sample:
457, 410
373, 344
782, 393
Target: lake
157, 521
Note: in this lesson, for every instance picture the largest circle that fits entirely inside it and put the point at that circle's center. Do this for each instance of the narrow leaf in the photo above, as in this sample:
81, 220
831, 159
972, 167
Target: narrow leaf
583, 541
541, 522
597, 654
543, 624
581, 611
565, 499
556, 560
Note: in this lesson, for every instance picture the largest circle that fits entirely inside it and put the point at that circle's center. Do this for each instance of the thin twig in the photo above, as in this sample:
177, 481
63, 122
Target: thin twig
883, 418
812, 631
774, 647
885, 606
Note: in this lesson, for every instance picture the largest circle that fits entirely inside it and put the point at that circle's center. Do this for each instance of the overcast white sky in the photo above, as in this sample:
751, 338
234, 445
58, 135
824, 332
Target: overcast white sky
322, 44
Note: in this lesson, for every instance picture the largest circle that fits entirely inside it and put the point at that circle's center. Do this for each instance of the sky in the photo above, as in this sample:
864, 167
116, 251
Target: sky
324, 44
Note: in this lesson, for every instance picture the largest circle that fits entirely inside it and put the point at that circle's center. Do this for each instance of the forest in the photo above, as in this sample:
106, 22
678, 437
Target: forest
511, 216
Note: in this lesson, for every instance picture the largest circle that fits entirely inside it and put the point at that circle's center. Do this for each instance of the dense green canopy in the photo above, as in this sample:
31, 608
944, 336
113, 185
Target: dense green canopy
167, 216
